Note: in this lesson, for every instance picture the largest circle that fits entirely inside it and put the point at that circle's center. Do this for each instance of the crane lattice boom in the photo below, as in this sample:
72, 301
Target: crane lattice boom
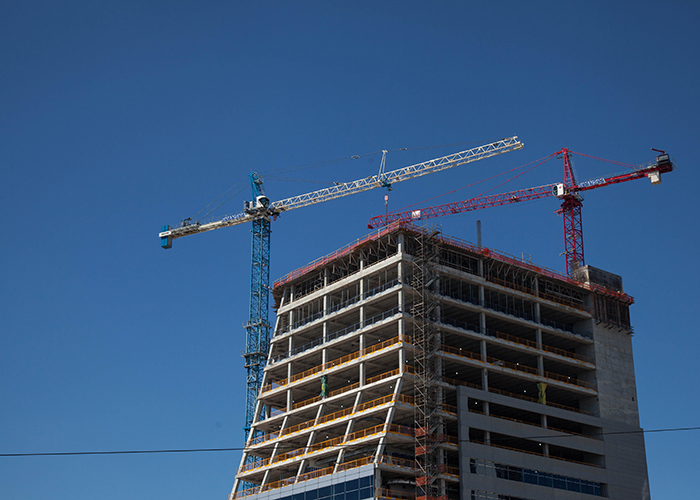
567, 191
260, 211
348, 188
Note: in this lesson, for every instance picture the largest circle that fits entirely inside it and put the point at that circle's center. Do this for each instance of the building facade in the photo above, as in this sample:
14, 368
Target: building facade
412, 365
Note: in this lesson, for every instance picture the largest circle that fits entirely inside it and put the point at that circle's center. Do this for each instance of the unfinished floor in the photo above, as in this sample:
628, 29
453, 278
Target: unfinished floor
410, 364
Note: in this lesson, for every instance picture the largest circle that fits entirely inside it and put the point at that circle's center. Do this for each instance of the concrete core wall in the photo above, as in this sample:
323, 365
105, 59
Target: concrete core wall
617, 390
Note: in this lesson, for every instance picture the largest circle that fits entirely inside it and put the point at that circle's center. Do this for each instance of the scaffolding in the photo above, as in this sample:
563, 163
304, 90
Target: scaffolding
427, 342
376, 345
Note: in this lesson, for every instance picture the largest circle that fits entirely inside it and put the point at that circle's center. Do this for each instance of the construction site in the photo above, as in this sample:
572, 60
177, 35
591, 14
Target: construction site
413, 365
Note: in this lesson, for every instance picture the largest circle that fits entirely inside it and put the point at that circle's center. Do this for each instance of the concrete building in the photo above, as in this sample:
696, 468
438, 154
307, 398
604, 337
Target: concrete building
410, 364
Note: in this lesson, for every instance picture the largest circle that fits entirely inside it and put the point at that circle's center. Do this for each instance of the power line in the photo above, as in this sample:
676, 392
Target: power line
208, 450
116, 452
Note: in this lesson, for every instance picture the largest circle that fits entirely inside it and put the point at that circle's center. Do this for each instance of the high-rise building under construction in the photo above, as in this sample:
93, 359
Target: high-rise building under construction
412, 365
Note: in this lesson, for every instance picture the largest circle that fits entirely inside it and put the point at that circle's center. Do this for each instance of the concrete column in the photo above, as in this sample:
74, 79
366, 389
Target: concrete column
484, 353
482, 298
362, 292
319, 413
482, 323
485, 379
361, 348
545, 446
540, 359
481, 268
389, 417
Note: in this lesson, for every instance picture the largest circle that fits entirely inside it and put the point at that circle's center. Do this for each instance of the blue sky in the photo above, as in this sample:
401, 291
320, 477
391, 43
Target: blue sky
119, 117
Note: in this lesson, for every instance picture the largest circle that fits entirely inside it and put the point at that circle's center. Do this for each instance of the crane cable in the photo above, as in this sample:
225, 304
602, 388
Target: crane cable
266, 173
537, 163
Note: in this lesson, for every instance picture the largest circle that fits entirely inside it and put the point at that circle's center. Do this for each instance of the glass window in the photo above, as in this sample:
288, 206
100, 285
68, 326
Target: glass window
324, 493
366, 481
545, 479
515, 474
501, 471
366, 492
559, 482
352, 495
529, 476
573, 484
338, 488
352, 484
299, 496
587, 487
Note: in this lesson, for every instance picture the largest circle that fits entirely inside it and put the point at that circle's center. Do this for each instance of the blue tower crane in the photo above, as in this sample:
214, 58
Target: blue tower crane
259, 211
258, 326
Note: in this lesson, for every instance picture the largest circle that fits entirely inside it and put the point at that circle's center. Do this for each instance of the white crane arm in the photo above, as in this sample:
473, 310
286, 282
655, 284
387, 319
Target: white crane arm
348, 188
401, 174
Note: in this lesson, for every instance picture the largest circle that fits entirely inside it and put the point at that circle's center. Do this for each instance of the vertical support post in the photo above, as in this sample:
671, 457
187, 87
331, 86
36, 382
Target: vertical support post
571, 213
258, 326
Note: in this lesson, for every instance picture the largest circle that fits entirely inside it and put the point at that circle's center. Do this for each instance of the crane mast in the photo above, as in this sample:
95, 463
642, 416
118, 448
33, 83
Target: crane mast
568, 192
258, 325
259, 211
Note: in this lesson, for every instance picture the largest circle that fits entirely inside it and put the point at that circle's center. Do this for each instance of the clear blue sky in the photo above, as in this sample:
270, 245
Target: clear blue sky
119, 117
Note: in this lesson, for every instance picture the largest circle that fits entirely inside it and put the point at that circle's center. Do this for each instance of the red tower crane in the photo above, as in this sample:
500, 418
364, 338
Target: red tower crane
568, 192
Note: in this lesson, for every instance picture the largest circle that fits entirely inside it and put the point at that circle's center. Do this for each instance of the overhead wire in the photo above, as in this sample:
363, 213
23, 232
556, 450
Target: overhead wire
218, 198
626, 165
200, 450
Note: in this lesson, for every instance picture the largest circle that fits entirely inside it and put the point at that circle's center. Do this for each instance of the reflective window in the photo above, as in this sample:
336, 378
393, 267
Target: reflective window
519, 474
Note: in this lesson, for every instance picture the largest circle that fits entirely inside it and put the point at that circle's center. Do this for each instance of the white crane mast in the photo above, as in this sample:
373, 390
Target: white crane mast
263, 208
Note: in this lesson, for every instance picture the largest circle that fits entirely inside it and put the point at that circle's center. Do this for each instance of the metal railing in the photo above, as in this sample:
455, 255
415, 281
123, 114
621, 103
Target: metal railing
516, 340
518, 367
336, 335
337, 362
330, 417
474, 410
538, 454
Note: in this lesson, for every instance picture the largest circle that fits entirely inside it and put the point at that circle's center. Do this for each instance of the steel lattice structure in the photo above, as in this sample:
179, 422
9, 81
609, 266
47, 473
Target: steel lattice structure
258, 326
260, 211
568, 191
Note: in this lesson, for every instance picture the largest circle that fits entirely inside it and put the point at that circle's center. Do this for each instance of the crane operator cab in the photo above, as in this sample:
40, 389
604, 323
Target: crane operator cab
260, 204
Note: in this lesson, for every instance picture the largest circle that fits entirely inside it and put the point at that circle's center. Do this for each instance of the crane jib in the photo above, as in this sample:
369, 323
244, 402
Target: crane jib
255, 210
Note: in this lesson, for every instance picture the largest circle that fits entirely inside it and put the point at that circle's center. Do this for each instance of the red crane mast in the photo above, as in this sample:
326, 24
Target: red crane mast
568, 192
